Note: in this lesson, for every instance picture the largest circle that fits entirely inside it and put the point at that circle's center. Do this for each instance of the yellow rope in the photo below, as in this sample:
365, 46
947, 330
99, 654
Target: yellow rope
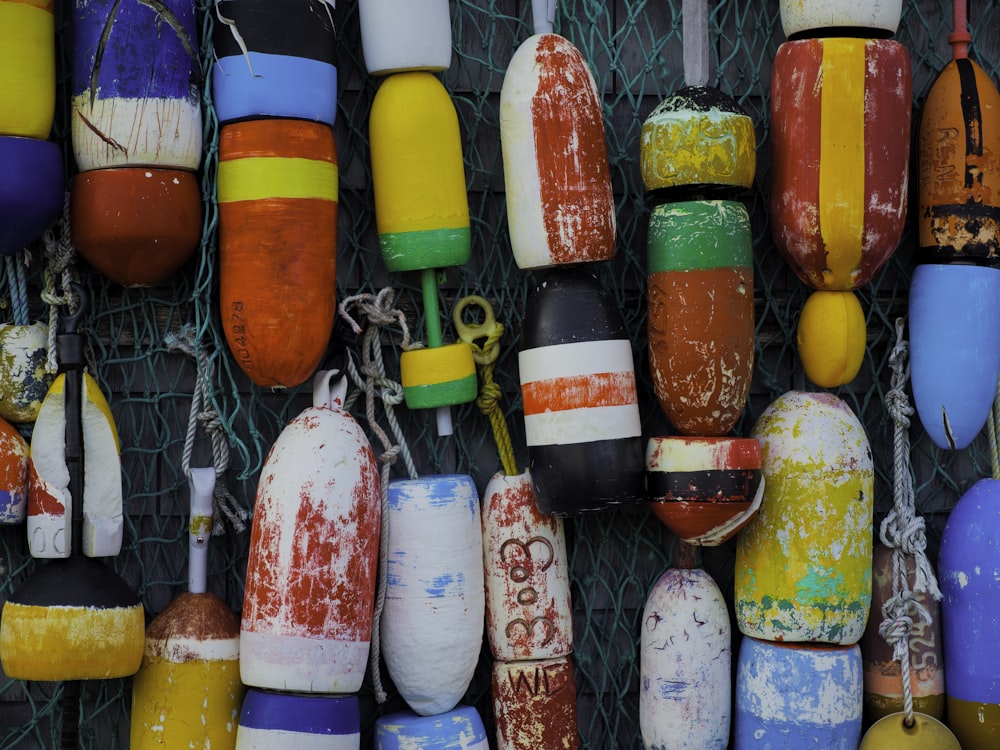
994, 418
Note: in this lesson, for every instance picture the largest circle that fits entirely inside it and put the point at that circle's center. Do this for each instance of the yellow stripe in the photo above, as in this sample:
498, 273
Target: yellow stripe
842, 158
260, 177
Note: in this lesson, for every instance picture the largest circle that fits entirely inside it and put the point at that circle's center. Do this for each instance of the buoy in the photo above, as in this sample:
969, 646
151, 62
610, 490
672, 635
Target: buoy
13, 475
701, 319
27, 68
289, 721
803, 563
953, 315
534, 705
187, 692
704, 489
435, 602
275, 59
883, 683
277, 231
835, 17
31, 190
560, 207
685, 672
136, 85
458, 728
310, 585
581, 408
24, 379
792, 696
399, 36
969, 575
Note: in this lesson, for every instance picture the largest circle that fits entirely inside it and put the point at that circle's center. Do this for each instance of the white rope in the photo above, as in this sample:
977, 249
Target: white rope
59, 266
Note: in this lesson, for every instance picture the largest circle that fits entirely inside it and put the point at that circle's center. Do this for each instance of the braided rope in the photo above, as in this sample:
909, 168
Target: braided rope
60, 256
993, 420
18, 284
489, 397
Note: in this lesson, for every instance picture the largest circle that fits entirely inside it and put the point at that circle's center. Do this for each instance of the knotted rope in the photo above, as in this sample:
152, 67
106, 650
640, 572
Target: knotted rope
379, 312
18, 284
903, 531
59, 260
223, 501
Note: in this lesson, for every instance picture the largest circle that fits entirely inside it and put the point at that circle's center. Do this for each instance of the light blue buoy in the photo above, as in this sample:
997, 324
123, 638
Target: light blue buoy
458, 729
954, 349
271, 720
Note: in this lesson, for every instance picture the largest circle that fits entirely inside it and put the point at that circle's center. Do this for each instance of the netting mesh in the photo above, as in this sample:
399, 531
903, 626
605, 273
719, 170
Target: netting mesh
635, 50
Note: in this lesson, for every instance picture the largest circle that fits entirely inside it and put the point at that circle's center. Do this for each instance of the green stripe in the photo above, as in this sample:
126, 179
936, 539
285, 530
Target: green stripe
449, 393
699, 235
427, 248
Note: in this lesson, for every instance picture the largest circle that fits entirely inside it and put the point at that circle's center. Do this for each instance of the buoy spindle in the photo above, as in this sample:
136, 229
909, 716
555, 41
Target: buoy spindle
202, 486
960, 38
543, 15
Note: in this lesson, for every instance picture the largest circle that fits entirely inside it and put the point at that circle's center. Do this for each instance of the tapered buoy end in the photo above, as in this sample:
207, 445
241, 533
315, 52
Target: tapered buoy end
438, 376
831, 338
31, 190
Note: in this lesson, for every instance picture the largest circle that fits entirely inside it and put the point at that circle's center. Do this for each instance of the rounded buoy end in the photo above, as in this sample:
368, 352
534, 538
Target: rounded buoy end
831, 338
439, 376
31, 190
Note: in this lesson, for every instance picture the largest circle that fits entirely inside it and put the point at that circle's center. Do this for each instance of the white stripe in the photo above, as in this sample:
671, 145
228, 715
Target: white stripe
193, 649
583, 425
248, 738
579, 358
293, 663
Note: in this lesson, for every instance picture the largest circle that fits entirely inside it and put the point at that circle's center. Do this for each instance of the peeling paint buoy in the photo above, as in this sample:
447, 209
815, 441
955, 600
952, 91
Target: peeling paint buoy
461, 727
534, 705
13, 475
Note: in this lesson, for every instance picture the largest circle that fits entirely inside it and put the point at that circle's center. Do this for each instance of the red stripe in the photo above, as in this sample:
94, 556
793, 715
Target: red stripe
579, 392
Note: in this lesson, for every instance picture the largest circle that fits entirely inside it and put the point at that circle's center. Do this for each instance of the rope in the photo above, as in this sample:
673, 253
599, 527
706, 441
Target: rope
59, 261
378, 310
993, 420
223, 501
18, 284
903, 531
489, 396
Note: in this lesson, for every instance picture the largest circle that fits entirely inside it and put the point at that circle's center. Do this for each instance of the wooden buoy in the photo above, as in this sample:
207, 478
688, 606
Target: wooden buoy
31, 190
136, 84
534, 705
277, 231
560, 207
135, 225
435, 602
310, 586
581, 408
969, 575
275, 59
13, 475
685, 672
835, 17
27, 67
399, 36
529, 614
24, 379
883, 682
458, 728
954, 317
792, 696
289, 721
701, 319
803, 563
704, 489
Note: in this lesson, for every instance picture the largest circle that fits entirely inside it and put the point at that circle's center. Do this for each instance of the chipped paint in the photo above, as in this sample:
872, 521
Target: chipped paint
534, 705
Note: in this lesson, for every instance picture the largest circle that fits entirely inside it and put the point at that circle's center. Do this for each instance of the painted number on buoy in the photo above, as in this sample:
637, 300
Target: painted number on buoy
240, 337
520, 573
548, 679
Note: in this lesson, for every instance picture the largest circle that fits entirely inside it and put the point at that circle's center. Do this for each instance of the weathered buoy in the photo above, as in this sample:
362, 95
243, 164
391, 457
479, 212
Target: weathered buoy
704, 489
31, 190
289, 721
954, 316
835, 17
399, 36
310, 586
529, 614
792, 696
435, 605
969, 575
458, 729
13, 475
560, 207
883, 682
27, 67
24, 379
581, 408
274, 59
137, 226
277, 231
136, 84
803, 563
534, 705
685, 672
701, 319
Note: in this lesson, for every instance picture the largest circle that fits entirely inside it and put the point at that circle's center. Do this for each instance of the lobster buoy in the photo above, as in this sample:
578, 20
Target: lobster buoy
399, 36
803, 563
310, 585
27, 68
792, 696
31, 189
560, 207
685, 673
290, 721
954, 312
820, 17
534, 705
459, 728
435, 605
704, 489
581, 408
277, 231
274, 59
529, 614
24, 379
883, 682
13, 475
969, 575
